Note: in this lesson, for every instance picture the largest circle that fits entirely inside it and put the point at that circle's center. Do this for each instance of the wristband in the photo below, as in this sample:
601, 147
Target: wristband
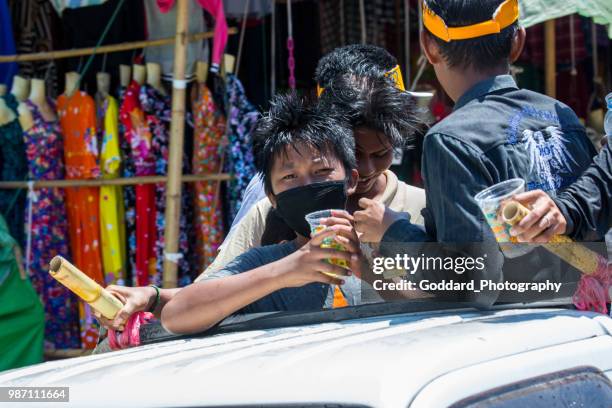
156, 302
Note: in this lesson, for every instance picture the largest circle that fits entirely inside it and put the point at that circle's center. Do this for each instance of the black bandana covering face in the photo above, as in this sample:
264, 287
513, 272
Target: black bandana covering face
293, 205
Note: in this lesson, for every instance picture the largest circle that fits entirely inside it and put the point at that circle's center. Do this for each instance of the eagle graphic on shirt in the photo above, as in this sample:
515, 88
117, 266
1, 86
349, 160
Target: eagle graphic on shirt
549, 159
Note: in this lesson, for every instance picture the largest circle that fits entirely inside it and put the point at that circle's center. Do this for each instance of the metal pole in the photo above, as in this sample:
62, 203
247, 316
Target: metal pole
175, 157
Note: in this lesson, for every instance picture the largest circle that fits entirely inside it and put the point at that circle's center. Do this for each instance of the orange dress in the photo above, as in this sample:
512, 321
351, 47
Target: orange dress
77, 116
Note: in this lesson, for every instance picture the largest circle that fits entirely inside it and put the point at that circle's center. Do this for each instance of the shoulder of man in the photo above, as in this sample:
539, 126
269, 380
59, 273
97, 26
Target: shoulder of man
496, 119
409, 199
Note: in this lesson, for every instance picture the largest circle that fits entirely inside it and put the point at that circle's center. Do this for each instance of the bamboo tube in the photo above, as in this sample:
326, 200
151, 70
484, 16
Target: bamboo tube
128, 181
84, 287
53, 55
550, 58
177, 128
575, 254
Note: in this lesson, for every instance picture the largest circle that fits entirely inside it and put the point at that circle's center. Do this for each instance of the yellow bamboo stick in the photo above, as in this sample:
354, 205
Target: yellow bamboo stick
575, 254
84, 287
128, 181
105, 49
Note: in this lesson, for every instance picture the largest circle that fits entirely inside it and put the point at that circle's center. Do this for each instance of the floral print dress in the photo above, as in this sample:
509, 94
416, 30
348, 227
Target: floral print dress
129, 197
157, 110
49, 229
242, 118
209, 133
139, 137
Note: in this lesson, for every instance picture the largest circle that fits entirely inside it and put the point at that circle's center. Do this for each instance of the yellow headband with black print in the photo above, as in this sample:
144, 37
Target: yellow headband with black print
395, 74
505, 15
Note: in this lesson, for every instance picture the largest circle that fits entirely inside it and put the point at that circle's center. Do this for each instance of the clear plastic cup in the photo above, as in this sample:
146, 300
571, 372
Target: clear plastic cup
490, 201
314, 220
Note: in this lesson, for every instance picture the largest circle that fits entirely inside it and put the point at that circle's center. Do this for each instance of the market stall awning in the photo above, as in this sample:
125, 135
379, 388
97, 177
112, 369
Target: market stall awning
537, 11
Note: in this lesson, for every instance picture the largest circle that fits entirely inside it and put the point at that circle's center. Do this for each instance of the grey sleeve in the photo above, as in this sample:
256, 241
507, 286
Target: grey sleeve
453, 173
586, 204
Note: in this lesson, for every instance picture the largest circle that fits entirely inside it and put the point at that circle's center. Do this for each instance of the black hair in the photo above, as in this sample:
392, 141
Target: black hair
480, 53
376, 103
294, 120
369, 59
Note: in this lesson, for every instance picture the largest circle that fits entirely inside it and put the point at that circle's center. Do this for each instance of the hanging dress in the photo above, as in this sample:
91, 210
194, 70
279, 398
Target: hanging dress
13, 167
49, 231
112, 216
77, 116
157, 109
209, 130
242, 118
139, 138
129, 197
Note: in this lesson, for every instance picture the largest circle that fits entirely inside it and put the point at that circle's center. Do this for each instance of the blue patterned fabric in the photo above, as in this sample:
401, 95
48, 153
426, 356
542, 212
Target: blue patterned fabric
242, 118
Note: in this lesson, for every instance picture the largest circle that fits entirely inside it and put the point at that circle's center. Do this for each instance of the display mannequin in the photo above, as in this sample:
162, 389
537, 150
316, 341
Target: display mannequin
21, 88
125, 74
154, 76
139, 73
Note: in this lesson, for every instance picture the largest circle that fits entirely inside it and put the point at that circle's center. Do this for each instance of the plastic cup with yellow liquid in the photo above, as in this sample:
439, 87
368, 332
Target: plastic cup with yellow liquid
314, 220
491, 201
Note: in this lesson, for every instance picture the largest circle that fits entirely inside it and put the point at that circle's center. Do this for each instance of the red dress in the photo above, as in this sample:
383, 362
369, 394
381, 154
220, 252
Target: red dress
139, 137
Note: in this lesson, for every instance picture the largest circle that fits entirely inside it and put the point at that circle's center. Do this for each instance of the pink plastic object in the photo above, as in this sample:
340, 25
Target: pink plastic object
592, 293
130, 337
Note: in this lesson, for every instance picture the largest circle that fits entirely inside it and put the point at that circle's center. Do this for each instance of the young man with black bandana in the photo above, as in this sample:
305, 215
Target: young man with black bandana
496, 132
307, 161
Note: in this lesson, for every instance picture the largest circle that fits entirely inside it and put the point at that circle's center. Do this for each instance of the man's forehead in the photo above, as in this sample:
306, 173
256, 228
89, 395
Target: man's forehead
293, 155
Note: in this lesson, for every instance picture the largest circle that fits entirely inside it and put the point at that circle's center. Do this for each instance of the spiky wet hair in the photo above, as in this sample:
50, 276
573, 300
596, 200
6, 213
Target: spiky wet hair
365, 58
374, 102
294, 120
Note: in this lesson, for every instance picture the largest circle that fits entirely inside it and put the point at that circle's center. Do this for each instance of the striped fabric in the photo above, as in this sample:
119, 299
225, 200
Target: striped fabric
33, 32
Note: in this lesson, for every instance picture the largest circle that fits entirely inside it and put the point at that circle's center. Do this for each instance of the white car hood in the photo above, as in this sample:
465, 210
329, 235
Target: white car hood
381, 361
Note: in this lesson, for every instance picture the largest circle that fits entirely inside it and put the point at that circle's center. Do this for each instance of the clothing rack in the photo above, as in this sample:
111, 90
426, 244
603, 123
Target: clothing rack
174, 178
127, 181
105, 49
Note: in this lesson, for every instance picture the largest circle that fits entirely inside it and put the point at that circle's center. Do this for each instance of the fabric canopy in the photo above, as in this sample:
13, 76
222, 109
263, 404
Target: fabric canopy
537, 11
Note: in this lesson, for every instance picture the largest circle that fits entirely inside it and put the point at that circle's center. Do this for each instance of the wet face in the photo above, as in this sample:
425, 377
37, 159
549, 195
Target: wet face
374, 156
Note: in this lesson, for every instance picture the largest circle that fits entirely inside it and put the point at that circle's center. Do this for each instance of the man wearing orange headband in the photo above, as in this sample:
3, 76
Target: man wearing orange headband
496, 132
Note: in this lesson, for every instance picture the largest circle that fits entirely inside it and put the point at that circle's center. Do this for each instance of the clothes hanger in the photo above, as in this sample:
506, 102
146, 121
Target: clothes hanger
72, 83
125, 75
201, 71
154, 77
6, 114
38, 96
21, 88
139, 73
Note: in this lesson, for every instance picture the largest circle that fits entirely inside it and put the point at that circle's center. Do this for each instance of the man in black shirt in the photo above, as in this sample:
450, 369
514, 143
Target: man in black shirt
496, 132
583, 211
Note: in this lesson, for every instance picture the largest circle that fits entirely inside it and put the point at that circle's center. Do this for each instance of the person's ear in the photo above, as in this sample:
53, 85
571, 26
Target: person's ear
272, 199
353, 179
430, 48
518, 43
